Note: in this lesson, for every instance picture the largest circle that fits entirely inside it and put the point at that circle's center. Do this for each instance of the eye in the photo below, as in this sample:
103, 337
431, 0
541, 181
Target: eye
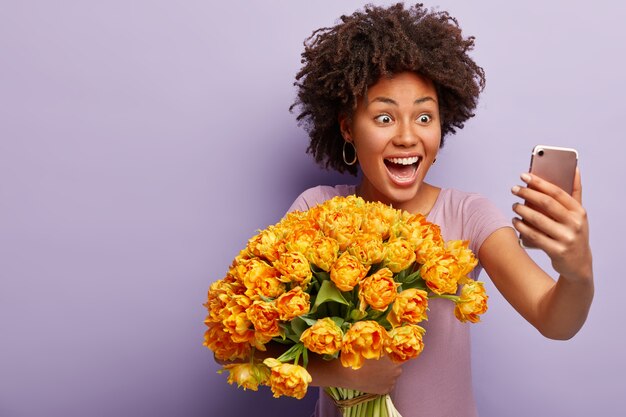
424, 118
384, 119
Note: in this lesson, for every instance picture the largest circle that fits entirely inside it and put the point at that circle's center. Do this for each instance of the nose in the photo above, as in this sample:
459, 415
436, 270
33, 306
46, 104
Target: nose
407, 134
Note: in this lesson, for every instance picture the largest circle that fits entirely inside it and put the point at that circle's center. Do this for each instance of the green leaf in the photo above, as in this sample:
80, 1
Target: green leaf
338, 321
308, 320
384, 322
374, 268
294, 338
328, 292
282, 341
321, 275
412, 277
292, 353
401, 276
417, 283
328, 357
298, 325
313, 288
409, 274
375, 314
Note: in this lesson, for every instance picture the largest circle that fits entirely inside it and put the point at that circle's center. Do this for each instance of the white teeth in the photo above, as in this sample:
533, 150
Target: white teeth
404, 161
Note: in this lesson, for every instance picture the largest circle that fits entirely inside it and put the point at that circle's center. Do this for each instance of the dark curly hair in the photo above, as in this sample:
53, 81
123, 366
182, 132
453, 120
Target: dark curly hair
341, 62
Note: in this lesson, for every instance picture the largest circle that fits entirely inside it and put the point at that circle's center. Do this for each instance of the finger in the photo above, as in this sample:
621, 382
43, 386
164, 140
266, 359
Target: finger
537, 183
577, 190
542, 203
540, 222
534, 238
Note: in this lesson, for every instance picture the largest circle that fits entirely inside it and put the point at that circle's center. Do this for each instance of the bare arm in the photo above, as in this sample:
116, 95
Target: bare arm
375, 376
558, 309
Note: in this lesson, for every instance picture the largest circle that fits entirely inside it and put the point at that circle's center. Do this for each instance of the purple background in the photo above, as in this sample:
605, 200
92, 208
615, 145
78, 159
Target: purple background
142, 143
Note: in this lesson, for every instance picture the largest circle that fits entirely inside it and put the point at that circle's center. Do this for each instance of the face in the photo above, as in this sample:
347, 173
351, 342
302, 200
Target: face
396, 131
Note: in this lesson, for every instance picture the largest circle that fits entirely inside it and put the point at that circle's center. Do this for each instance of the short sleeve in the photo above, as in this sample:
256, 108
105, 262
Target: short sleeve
467, 216
316, 195
482, 218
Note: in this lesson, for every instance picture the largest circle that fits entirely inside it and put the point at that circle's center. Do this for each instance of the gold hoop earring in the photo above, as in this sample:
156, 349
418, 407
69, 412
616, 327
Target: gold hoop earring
344, 153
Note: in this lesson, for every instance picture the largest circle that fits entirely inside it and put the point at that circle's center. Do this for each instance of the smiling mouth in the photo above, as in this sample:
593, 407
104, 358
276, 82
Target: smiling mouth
402, 170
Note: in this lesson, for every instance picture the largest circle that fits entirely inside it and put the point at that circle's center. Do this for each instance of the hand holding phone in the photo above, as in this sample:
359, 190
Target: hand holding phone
556, 165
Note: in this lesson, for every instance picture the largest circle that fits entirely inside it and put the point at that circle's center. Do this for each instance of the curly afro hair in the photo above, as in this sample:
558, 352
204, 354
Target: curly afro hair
341, 62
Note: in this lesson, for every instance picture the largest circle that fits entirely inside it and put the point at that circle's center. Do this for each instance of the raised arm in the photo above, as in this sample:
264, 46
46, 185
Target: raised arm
559, 227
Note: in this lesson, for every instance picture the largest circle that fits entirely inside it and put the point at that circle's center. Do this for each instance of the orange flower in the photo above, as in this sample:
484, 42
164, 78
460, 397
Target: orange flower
472, 302
220, 342
220, 293
243, 255
350, 203
409, 307
315, 215
466, 260
323, 252
341, 226
265, 244
270, 287
424, 235
378, 218
378, 290
299, 239
248, 270
426, 249
264, 318
294, 267
247, 375
399, 254
298, 220
364, 340
405, 342
236, 320
287, 379
292, 304
367, 248
441, 273
347, 272
260, 278
323, 337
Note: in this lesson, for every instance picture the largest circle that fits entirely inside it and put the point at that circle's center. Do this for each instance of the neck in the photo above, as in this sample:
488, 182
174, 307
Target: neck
422, 202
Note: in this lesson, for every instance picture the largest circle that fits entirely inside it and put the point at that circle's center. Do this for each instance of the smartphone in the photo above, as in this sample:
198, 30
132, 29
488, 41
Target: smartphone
556, 165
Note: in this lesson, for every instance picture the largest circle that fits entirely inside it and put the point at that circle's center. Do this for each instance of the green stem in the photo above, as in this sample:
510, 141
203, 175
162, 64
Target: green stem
383, 407
376, 407
364, 409
454, 298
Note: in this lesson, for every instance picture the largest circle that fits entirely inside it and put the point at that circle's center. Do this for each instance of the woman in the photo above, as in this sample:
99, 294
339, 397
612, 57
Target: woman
380, 91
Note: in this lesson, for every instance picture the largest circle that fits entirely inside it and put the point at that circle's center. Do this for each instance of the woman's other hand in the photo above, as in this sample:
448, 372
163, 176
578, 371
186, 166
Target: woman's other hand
376, 376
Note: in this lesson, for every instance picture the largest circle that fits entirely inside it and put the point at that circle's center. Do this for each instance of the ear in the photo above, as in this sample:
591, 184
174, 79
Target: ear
345, 126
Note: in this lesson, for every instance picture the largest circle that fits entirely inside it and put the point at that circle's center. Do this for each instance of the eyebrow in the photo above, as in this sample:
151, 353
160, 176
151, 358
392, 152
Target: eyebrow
395, 103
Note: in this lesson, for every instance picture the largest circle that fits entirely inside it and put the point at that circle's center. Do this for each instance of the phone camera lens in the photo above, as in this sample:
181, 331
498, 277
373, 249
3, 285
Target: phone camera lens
540, 153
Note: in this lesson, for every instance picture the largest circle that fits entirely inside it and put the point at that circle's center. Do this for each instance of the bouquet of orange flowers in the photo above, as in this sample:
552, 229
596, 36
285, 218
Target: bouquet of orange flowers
348, 280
